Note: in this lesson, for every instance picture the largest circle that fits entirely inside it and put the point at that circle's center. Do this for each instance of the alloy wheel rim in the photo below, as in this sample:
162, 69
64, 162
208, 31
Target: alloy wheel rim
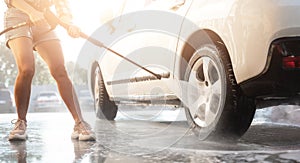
205, 91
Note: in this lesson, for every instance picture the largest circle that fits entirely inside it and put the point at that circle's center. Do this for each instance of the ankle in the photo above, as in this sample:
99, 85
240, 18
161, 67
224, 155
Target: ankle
78, 121
22, 120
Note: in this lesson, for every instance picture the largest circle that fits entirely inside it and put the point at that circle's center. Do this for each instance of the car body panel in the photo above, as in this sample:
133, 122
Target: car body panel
156, 52
247, 28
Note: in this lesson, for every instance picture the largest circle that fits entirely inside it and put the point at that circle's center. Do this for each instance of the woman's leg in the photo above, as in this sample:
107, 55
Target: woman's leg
51, 52
22, 51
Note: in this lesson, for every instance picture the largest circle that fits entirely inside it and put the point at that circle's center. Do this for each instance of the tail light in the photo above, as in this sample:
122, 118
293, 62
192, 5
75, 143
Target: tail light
290, 53
291, 62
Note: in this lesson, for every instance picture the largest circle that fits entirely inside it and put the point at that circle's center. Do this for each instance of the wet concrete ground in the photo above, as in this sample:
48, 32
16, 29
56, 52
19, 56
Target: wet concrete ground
140, 135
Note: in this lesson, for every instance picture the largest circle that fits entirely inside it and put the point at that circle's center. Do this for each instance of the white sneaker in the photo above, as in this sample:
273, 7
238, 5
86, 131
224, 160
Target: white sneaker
19, 131
82, 131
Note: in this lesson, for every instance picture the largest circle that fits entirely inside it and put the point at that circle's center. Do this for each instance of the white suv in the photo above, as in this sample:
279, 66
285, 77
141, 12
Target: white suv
220, 59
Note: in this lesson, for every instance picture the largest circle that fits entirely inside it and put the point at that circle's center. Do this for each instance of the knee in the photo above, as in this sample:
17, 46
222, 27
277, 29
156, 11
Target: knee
26, 73
59, 72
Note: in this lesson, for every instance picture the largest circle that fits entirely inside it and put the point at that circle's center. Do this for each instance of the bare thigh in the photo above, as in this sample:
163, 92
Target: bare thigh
52, 54
22, 51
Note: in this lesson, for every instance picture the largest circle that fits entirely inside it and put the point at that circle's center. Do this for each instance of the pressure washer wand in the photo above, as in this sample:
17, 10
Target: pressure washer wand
51, 17
100, 44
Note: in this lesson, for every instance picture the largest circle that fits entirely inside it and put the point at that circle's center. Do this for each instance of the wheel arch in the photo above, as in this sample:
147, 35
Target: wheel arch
196, 39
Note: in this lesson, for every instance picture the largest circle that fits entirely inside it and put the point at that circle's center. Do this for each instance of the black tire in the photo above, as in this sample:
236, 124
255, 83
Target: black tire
221, 111
104, 107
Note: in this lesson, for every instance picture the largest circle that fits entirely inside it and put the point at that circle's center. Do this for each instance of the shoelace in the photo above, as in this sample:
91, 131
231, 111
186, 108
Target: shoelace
82, 125
17, 123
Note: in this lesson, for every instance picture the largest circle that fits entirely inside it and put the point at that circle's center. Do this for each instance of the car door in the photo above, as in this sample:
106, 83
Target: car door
148, 35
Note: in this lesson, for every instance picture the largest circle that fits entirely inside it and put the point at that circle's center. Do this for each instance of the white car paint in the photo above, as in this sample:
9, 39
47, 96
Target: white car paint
247, 27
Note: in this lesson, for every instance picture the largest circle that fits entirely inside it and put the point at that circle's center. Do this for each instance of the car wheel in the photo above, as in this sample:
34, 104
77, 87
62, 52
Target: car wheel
104, 107
219, 110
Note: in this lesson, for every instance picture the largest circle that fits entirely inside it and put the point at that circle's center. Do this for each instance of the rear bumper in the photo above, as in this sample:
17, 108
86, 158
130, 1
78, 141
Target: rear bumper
277, 80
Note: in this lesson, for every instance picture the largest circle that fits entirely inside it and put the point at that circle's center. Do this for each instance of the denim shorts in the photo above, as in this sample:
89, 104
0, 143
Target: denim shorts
37, 34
